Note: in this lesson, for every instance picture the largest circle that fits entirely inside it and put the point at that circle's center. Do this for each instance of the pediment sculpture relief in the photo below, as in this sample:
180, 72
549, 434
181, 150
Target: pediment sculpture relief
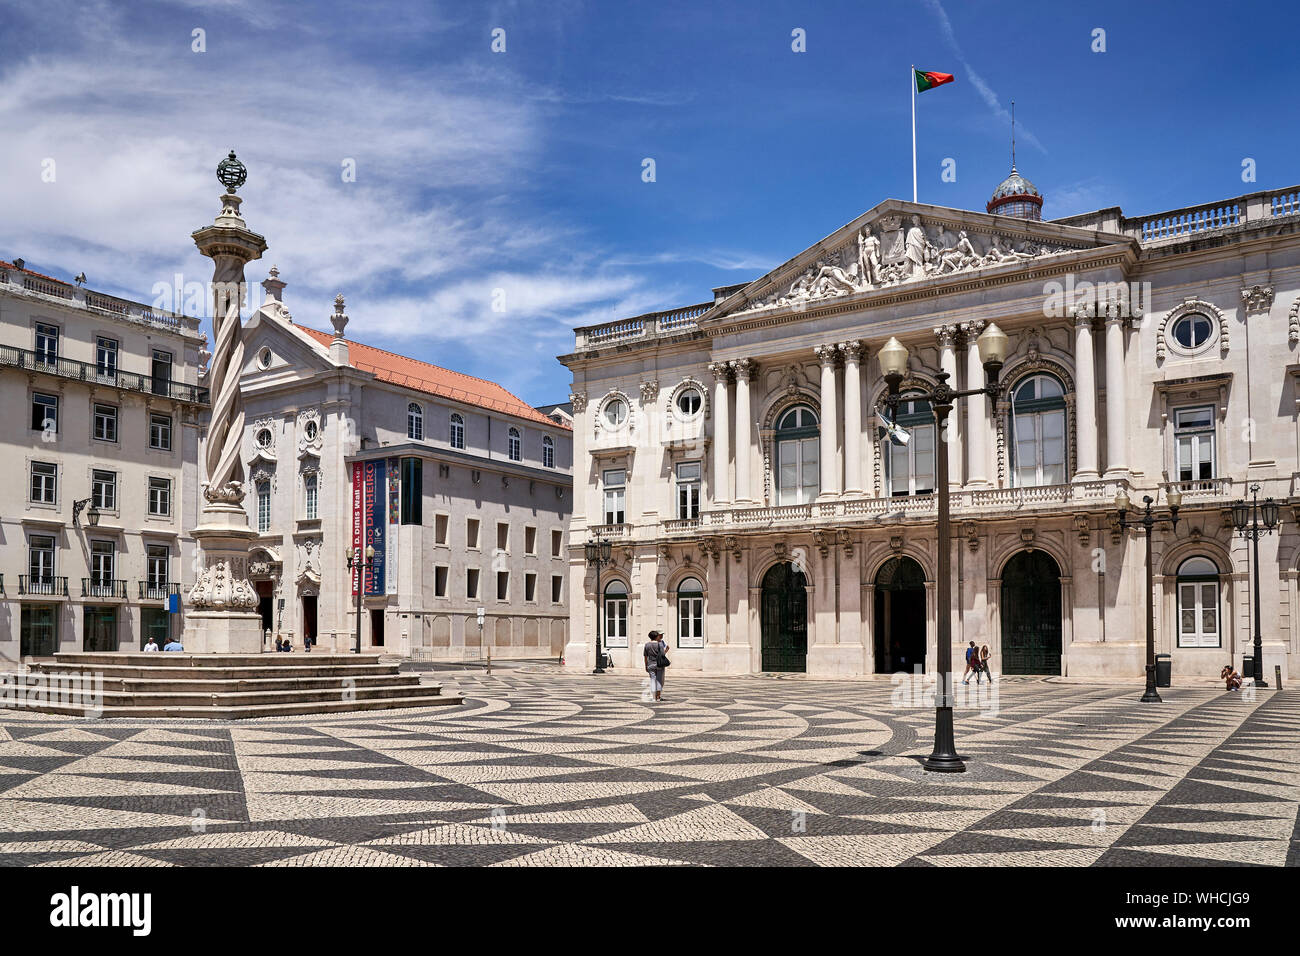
896, 254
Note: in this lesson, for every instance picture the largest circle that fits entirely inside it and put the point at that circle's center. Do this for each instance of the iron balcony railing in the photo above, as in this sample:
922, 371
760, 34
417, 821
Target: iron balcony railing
103, 588
46, 584
101, 375
157, 590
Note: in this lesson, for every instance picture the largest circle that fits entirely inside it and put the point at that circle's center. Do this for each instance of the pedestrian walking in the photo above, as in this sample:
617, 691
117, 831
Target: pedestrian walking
972, 663
984, 662
656, 660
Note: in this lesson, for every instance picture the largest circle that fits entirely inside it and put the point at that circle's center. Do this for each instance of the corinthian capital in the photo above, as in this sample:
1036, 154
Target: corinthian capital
720, 371
744, 368
852, 350
825, 354
947, 335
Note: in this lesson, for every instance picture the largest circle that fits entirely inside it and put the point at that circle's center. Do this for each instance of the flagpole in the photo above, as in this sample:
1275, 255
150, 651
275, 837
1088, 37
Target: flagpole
912, 76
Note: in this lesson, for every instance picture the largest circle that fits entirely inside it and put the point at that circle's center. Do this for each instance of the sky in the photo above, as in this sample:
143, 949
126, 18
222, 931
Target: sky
500, 196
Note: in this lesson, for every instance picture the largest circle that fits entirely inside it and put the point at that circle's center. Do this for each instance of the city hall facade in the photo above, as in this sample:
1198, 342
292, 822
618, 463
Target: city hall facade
733, 454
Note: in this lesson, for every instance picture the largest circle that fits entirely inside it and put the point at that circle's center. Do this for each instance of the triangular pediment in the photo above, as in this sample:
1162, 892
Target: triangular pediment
269, 333
899, 246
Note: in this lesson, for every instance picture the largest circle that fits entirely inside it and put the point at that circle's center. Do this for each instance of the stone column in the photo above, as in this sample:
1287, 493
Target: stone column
947, 336
224, 619
744, 370
978, 423
1085, 401
1116, 398
721, 434
827, 466
852, 417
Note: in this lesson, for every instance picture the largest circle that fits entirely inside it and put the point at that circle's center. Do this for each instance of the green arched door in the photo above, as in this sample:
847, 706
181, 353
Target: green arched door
785, 619
1031, 615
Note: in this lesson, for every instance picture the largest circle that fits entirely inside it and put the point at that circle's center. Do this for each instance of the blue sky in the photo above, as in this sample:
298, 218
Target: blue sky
522, 171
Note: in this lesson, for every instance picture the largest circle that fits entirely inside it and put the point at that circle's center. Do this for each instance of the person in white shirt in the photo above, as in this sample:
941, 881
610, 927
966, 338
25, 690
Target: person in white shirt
152, 645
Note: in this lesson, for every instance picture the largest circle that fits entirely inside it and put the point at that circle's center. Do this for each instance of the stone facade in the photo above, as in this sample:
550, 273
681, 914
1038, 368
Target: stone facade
1145, 354
105, 401
315, 405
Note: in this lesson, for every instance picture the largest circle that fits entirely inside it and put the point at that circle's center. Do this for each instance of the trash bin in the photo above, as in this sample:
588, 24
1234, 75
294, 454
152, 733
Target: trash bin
1248, 667
1164, 670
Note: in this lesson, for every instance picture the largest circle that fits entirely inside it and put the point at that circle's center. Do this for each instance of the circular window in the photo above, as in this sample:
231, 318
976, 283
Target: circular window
1192, 331
264, 358
616, 412
264, 438
688, 401
311, 431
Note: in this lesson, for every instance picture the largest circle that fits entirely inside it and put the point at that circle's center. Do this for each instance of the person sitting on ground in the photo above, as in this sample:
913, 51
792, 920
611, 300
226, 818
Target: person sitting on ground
1231, 679
151, 645
279, 645
174, 644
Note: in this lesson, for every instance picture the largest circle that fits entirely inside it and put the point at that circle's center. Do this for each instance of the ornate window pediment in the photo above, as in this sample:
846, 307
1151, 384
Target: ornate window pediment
310, 433
264, 432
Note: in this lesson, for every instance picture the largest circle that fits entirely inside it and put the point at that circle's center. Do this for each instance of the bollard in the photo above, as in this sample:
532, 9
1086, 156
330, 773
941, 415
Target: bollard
1277, 676
489, 660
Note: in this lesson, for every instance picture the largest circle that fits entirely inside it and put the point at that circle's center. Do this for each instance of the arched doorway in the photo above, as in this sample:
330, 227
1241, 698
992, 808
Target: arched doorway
785, 619
900, 616
1031, 614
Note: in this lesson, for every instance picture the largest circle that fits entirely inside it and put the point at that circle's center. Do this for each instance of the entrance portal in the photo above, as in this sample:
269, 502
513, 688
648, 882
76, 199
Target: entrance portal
900, 616
309, 619
376, 627
785, 619
1031, 614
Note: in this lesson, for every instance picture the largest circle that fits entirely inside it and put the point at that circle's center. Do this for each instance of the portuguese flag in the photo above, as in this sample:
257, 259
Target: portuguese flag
927, 80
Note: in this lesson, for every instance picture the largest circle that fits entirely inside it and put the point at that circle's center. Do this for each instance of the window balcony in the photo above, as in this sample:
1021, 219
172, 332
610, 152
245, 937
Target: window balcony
71, 370
42, 585
157, 590
1201, 488
105, 589
610, 531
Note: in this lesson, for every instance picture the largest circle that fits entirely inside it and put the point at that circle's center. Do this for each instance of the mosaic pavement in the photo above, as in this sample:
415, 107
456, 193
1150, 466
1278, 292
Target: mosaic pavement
539, 768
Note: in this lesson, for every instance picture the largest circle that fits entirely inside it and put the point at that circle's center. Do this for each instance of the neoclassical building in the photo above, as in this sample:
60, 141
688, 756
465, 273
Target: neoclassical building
463, 490
760, 516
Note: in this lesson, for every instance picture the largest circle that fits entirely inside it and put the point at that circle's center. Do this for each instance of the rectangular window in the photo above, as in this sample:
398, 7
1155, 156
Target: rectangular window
103, 490
1194, 440
263, 507
689, 474
440, 529
102, 555
530, 586
106, 357
40, 558
503, 585
440, 581
911, 466
557, 543
310, 496
105, 428
471, 584
160, 497
160, 431
530, 540
47, 343
503, 536
412, 491
45, 413
39, 630
557, 588
155, 569
797, 471
45, 483
1198, 614
615, 480
471, 532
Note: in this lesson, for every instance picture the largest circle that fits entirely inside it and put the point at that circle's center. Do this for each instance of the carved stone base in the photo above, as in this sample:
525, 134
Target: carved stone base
223, 632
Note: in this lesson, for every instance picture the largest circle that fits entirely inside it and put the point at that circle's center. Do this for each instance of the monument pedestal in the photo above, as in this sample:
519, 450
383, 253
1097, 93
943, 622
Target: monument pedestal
223, 619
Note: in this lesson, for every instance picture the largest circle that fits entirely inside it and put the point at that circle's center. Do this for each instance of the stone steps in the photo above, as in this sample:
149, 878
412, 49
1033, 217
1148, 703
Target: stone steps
228, 686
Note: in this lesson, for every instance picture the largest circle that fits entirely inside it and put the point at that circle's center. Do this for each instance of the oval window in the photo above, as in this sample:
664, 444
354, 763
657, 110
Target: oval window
264, 358
616, 412
311, 431
1192, 331
688, 401
264, 438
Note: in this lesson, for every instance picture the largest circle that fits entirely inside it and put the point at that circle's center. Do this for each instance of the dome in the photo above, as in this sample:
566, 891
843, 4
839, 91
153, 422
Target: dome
1016, 196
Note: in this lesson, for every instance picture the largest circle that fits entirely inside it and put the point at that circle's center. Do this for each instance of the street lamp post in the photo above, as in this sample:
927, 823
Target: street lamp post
1148, 521
992, 345
598, 554
1246, 516
355, 562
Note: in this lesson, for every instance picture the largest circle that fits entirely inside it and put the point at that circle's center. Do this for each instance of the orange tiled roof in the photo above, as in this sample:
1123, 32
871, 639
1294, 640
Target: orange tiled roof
423, 377
39, 275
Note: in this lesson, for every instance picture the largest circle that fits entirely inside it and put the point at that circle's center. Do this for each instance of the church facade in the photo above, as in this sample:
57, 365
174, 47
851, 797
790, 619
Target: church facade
761, 516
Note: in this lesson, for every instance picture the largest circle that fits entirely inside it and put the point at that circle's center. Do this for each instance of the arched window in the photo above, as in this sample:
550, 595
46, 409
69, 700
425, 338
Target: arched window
456, 438
690, 613
1037, 428
548, 452
616, 614
909, 468
1198, 603
513, 445
797, 446
414, 422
